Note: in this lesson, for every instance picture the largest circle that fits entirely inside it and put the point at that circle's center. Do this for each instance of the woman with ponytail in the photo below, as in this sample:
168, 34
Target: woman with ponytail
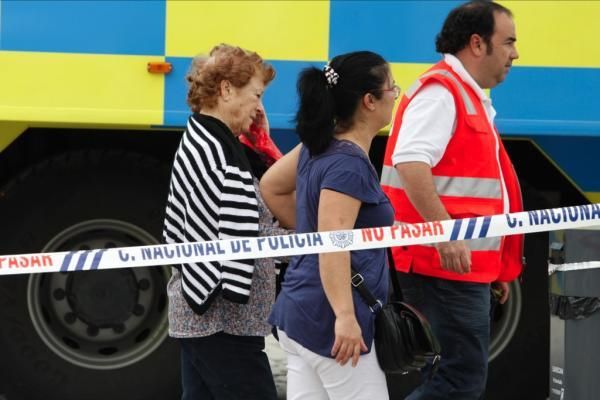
328, 183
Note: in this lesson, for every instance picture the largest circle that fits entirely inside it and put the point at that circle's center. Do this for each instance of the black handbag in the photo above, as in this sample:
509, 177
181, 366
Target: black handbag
404, 340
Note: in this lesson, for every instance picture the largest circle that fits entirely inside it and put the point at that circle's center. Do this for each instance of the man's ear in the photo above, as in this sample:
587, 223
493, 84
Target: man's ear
368, 101
477, 45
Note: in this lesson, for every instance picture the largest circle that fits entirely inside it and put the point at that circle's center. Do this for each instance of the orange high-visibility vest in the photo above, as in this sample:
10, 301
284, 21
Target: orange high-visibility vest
468, 180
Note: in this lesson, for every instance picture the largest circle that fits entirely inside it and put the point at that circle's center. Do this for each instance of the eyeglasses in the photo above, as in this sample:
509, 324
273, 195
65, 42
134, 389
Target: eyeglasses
395, 89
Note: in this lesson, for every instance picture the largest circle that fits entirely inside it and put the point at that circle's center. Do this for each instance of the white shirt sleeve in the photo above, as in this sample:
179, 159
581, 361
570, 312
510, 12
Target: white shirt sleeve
427, 126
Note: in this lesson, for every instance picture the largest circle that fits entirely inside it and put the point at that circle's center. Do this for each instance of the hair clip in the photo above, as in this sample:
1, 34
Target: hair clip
331, 76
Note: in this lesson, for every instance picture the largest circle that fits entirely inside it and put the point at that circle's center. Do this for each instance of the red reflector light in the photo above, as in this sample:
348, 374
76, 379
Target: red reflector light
160, 67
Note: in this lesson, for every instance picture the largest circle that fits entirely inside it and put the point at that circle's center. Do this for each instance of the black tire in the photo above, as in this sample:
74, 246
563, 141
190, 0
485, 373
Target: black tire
521, 370
79, 200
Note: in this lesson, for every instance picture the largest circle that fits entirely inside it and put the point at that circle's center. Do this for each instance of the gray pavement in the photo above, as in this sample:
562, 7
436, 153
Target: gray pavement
278, 361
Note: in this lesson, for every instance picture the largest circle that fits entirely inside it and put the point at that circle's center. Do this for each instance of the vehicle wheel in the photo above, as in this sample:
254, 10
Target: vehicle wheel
86, 335
520, 371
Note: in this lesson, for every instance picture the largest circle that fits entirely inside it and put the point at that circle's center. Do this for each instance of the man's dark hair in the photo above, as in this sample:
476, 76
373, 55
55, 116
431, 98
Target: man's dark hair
473, 17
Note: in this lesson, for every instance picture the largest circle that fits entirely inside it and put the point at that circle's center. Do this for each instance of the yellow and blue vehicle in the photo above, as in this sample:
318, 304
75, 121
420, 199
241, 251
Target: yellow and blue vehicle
87, 135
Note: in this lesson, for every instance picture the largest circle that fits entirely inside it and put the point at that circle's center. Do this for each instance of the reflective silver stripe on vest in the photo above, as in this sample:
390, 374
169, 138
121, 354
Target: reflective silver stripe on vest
485, 188
483, 244
465, 97
492, 243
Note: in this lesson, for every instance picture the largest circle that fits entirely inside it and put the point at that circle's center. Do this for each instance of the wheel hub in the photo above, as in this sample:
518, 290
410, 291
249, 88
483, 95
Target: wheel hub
100, 319
102, 300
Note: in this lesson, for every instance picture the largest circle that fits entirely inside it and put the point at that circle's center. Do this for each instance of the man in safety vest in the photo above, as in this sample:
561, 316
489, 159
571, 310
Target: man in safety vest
445, 160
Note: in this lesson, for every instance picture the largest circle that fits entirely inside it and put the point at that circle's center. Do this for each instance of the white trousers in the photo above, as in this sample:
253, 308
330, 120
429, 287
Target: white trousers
311, 376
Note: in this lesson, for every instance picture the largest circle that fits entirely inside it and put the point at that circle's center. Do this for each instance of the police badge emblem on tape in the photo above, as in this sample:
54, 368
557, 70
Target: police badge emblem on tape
341, 239
483, 227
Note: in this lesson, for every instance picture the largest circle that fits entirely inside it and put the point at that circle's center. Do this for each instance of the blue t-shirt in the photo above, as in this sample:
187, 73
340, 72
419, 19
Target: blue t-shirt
302, 309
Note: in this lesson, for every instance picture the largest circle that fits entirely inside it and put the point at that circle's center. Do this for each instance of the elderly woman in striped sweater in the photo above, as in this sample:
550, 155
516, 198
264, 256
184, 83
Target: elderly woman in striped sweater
218, 310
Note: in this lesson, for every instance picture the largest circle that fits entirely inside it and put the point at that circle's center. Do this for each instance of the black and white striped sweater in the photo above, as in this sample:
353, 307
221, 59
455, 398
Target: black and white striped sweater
211, 196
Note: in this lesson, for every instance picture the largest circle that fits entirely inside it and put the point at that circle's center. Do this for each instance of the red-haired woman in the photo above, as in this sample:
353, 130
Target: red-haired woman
219, 310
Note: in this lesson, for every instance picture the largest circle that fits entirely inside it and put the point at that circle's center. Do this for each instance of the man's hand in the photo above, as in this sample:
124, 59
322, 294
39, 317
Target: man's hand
455, 256
501, 290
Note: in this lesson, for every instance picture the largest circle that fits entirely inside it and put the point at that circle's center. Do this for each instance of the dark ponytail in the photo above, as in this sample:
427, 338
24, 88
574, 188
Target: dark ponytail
315, 119
327, 107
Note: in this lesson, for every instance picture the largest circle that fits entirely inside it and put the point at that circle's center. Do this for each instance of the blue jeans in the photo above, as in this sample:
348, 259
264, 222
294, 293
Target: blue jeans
459, 313
226, 367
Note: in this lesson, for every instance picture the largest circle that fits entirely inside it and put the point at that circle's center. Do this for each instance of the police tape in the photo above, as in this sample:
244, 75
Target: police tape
477, 228
579, 266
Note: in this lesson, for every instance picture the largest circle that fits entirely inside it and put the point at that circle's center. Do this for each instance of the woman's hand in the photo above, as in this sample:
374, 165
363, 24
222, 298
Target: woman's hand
261, 119
348, 340
259, 126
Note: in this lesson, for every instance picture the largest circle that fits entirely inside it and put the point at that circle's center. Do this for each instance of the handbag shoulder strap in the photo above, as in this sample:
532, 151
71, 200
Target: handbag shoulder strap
374, 304
397, 294
358, 282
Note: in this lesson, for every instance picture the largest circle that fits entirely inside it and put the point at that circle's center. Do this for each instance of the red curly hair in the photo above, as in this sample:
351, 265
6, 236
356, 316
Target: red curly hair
224, 62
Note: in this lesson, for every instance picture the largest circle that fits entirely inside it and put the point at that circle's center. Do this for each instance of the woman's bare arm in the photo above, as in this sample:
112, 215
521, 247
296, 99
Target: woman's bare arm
278, 188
